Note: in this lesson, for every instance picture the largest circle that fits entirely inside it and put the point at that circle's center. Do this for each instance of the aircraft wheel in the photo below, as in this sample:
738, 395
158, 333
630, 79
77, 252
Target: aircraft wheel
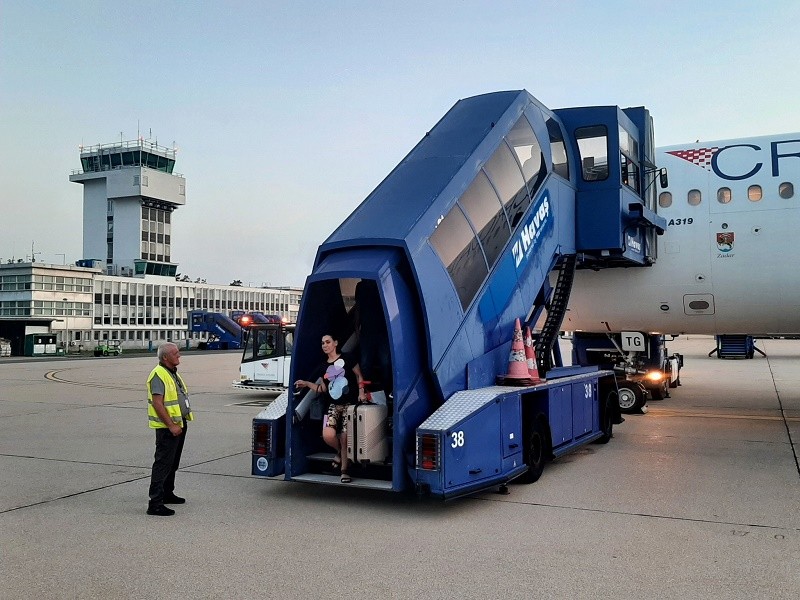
535, 451
631, 398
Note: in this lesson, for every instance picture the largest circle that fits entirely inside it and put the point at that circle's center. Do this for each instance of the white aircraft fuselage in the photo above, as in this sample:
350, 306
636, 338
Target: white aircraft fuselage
726, 262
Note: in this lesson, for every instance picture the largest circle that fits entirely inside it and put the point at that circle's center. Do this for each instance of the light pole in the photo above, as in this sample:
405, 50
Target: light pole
66, 326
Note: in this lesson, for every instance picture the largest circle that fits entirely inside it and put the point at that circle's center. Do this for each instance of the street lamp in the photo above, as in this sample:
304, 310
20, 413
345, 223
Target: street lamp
66, 325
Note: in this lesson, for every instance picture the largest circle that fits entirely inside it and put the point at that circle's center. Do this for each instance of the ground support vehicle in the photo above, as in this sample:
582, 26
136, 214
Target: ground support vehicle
267, 356
108, 347
223, 332
426, 281
641, 361
736, 346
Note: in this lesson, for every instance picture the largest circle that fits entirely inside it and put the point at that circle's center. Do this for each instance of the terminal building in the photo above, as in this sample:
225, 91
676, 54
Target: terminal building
127, 286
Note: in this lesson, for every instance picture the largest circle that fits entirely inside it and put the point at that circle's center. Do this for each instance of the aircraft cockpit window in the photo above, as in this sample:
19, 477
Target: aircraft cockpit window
665, 199
754, 193
694, 197
786, 190
593, 148
503, 171
724, 195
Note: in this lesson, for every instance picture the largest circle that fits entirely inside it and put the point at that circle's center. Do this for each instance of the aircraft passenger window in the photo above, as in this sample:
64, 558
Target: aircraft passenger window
557, 148
460, 252
665, 199
593, 148
503, 171
486, 214
724, 195
694, 197
754, 193
786, 190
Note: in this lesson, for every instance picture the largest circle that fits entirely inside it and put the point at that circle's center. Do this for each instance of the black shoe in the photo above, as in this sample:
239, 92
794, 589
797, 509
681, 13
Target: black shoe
160, 511
173, 499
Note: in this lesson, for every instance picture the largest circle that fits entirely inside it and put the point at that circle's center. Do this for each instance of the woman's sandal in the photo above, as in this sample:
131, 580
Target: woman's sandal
346, 477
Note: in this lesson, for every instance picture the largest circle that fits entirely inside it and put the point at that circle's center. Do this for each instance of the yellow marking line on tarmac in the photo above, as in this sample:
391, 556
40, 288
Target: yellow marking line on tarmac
719, 415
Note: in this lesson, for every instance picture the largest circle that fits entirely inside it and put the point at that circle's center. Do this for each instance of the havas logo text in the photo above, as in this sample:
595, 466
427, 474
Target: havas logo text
531, 231
633, 243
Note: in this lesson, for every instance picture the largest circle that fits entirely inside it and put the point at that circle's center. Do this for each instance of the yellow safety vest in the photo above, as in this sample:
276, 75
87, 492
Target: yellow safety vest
171, 401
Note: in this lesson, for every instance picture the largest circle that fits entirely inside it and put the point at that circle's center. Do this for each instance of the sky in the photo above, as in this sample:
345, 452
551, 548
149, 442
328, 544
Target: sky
286, 115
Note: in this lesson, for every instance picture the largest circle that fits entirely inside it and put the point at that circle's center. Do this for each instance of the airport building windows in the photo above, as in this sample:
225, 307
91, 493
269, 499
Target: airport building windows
694, 197
665, 199
724, 195
786, 190
754, 193
593, 149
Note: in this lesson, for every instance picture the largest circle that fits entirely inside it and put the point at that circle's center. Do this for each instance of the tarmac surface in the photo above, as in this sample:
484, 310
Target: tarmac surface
699, 498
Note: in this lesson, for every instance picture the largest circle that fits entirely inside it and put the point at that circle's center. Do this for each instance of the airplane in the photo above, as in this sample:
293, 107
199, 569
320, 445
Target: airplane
730, 208
722, 264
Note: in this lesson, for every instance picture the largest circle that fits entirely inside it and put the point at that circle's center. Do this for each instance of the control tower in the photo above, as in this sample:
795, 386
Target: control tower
129, 194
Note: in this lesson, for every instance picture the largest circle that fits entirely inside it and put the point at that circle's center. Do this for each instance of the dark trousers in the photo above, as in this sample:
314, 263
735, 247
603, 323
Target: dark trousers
165, 463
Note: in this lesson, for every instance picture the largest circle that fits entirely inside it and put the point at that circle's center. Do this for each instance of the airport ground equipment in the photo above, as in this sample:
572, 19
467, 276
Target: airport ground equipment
736, 346
425, 280
641, 361
224, 333
267, 354
108, 347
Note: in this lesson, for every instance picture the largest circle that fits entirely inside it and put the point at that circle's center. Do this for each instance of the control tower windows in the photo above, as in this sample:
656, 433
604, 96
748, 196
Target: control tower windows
593, 149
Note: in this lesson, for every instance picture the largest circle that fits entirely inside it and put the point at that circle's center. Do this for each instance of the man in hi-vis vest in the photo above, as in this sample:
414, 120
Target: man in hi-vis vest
168, 413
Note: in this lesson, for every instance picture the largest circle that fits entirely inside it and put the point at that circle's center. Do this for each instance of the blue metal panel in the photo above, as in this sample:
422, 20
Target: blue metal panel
413, 188
560, 405
584, 396
511, 425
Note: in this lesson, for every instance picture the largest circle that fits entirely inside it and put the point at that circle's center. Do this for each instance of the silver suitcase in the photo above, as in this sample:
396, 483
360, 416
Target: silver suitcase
367, 433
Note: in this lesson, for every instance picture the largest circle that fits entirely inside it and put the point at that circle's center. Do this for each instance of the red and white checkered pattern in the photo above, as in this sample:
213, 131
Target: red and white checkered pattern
697, 156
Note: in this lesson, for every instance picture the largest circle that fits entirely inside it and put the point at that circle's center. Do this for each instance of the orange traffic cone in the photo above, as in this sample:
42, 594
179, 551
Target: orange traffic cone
517, 369
530, 357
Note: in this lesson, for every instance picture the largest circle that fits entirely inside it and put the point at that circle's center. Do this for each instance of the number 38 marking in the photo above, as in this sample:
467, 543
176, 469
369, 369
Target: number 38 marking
458, 439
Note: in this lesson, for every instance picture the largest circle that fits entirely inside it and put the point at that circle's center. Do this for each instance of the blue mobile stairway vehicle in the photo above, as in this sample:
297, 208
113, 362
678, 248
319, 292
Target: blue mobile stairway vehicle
482, 223
224, 332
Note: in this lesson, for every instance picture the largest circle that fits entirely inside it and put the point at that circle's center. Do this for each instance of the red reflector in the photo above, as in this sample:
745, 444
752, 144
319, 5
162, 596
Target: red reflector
261, 438
428, 451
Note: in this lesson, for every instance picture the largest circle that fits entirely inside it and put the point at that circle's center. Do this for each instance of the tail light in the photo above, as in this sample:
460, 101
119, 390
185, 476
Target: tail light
428, 452
262, 438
